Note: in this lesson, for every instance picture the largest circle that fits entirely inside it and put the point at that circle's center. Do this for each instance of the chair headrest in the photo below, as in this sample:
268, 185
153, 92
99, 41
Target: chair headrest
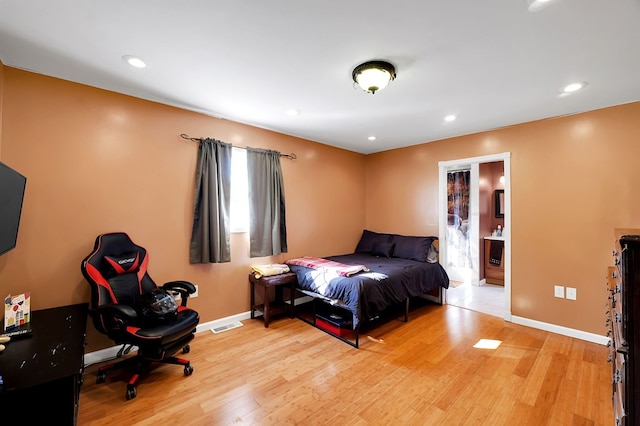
125, 263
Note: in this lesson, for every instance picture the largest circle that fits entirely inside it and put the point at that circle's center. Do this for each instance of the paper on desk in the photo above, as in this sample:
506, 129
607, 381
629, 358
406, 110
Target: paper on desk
17, 310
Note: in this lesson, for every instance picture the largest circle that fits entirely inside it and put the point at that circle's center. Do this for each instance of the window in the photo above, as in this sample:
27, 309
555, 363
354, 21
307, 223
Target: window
239, 191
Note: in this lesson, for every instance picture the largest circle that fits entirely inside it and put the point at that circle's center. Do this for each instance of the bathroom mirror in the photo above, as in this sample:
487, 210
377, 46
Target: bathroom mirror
499, 199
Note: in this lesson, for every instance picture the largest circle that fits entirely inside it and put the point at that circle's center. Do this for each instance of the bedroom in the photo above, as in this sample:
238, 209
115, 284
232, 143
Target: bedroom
54, 151
573, 178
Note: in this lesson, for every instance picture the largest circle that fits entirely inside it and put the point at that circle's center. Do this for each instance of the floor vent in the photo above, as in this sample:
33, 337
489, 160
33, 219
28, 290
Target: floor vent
226, 327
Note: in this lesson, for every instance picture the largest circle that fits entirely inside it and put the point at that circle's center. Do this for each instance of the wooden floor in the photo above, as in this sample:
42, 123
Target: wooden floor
424, 372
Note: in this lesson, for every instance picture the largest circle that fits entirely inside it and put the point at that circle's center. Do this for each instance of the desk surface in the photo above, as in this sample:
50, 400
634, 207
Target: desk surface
54, 350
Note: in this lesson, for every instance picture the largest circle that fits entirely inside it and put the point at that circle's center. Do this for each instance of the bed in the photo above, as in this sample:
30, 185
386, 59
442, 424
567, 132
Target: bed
385, 270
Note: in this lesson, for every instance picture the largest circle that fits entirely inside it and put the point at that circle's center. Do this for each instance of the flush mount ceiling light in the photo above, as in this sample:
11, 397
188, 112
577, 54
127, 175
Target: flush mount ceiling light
373, 76
535, 5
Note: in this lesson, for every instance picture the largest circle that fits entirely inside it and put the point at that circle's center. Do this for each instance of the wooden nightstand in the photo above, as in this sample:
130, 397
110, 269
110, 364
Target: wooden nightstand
278, 306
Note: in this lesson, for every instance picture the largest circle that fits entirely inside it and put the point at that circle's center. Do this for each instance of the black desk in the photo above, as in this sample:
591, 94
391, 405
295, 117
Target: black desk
42, 373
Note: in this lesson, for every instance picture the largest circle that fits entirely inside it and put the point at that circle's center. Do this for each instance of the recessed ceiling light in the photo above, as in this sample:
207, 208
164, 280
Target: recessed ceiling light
293, 112
450, 117
134, 61
573, 87
535, 5
372, 138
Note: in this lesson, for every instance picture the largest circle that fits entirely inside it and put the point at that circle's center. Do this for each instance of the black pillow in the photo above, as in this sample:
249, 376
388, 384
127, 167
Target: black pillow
369, 239
412, 248
383, 249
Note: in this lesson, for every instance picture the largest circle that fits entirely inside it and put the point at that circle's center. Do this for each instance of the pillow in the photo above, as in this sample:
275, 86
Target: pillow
369, 239
412, 248
383, 249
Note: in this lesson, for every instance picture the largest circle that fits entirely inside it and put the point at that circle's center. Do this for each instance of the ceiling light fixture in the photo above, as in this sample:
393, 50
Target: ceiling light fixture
535, 5
134, 61
450, 118
373, 76
573, 87
372, 138
292, 112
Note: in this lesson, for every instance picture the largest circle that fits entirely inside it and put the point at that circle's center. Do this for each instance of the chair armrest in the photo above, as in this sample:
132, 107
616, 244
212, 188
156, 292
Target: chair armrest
185, 288
117, 317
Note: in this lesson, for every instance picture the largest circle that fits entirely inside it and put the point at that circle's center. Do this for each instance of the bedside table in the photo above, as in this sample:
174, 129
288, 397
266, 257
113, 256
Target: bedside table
279, 305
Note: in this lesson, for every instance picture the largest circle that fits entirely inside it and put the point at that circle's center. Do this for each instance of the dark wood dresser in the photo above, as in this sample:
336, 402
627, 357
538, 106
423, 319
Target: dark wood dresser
623, 323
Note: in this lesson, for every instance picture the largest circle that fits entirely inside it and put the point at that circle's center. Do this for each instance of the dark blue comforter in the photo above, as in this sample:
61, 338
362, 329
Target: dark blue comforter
366, 294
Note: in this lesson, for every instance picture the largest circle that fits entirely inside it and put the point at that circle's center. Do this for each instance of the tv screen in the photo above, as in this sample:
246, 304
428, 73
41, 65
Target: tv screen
12, 186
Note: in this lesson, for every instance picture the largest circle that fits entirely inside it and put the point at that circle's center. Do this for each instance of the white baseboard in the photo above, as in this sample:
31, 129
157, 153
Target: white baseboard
558, 329
111, 353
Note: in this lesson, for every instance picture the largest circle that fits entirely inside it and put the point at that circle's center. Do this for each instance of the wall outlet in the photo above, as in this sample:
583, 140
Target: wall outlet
196, 293
558, 291
572, 293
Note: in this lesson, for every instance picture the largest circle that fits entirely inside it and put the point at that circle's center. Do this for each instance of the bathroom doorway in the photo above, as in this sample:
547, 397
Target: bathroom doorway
464, 224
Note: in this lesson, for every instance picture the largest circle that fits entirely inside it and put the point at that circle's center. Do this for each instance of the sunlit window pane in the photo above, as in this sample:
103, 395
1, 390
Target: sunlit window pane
239, 191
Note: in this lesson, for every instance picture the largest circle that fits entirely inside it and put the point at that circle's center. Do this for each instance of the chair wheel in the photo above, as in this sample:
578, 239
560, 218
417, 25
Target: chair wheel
188, 370
186, 349
132, 392
101, 378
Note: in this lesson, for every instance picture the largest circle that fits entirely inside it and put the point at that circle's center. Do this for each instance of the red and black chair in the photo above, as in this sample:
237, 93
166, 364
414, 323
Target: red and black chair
116, 269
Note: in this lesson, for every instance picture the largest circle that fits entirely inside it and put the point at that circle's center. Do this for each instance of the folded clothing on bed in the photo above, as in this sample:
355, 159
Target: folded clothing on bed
260, 271
328, 265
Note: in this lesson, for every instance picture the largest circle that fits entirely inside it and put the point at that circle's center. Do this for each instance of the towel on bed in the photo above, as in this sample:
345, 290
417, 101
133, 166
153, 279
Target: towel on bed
328, 265
495, 252
260, 271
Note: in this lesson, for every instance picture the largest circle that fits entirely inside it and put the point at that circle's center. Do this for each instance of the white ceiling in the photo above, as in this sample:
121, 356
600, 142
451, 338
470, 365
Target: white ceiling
491, 62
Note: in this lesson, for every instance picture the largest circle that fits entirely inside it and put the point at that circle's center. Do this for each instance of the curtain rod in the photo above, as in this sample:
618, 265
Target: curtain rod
185, 136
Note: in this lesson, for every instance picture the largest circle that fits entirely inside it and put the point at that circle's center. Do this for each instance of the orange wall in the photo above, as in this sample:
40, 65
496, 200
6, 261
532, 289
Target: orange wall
97, 161
573, 180
1, 92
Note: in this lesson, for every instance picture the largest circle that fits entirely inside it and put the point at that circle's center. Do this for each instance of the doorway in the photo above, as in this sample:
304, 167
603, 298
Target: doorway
463, 227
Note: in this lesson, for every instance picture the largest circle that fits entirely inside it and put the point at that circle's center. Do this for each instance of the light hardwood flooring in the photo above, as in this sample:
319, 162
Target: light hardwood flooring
423, 372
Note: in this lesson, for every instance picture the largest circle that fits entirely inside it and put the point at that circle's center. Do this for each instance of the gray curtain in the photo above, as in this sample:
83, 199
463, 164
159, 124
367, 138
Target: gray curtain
267, 218
210, 235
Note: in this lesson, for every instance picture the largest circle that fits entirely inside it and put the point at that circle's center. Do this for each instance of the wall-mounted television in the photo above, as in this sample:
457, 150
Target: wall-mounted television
12, 185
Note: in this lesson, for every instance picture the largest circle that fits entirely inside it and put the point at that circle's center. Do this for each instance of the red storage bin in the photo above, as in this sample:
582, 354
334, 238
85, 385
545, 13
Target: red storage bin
331, 328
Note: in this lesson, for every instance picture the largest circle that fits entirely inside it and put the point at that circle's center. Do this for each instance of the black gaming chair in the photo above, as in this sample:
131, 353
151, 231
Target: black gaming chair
116, 269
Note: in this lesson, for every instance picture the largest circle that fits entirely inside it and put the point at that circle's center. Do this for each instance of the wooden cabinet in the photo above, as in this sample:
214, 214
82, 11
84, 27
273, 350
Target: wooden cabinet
494, 272
623, 326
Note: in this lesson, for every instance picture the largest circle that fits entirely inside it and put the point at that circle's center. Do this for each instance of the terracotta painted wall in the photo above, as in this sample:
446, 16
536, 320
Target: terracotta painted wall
574, 179
1, 92
97, 161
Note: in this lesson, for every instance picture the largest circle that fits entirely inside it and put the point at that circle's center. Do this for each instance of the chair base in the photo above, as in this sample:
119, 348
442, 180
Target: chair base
142, 366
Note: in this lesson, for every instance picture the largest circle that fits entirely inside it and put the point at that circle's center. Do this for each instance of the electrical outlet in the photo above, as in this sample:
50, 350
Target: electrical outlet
196, 293
572, 293
558, 291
